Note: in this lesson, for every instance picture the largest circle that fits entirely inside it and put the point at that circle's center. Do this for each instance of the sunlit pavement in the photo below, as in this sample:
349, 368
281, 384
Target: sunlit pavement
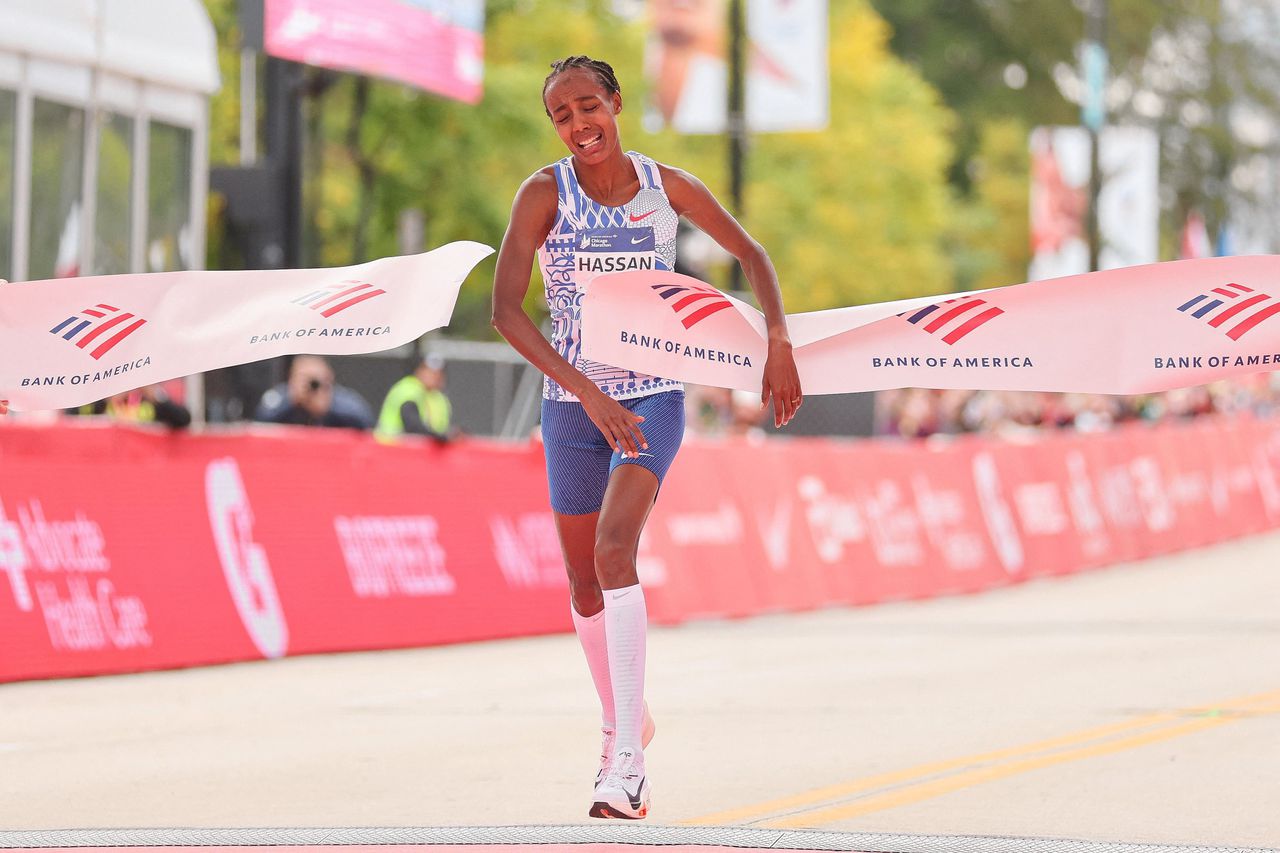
1137, 704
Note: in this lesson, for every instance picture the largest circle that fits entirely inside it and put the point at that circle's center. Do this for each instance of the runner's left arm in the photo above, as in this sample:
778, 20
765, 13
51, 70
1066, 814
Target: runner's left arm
691, 199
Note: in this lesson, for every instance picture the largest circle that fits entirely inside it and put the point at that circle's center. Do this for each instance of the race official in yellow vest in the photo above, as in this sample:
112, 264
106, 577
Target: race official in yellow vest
417, 404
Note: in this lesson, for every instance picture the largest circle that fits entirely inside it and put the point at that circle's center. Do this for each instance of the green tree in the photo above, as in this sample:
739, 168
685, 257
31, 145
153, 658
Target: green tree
224, 106
990, 235
856, 213
1196, 71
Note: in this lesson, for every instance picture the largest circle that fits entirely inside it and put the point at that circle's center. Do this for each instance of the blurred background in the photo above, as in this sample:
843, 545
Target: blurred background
878, 149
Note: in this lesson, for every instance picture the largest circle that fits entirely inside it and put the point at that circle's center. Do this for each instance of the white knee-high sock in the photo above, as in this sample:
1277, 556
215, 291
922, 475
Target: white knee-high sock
592, 636
625, 622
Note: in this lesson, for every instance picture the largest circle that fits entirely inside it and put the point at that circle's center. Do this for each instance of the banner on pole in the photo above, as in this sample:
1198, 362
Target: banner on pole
435, 46
787, 78
1128, 207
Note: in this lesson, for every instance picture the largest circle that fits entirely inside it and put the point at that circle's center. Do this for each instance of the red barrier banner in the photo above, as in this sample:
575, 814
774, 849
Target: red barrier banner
124, 549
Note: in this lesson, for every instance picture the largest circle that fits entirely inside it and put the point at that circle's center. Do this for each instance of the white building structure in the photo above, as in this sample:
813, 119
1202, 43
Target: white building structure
104, 124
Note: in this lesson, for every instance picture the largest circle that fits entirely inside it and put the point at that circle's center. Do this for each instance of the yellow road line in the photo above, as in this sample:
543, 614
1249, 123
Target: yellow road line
936, 788
817, 796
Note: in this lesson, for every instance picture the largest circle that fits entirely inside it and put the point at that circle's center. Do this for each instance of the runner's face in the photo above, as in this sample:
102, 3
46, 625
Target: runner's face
584, 115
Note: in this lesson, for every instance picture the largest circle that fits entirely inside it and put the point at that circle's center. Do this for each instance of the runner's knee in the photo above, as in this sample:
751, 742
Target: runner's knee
614, 554
584, 589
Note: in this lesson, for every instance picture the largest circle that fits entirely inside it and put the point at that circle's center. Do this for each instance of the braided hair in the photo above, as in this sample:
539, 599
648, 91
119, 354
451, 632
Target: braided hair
602, 70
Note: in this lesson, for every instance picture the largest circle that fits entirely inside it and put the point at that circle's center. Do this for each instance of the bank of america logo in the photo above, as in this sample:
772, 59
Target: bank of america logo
338, 297
956, 317
1236, 304
101, 327
692, 303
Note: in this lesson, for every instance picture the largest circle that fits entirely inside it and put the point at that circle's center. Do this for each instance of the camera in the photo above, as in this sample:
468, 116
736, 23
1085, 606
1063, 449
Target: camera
314, 385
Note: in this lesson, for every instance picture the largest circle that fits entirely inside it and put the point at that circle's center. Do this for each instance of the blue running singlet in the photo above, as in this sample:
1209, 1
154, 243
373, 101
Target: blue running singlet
588, 239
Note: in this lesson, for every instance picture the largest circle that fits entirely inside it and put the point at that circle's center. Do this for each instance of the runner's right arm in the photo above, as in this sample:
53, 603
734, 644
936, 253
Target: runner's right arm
532, 214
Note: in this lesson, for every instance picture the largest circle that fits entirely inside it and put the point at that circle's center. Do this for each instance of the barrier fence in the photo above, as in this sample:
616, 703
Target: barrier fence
123, 549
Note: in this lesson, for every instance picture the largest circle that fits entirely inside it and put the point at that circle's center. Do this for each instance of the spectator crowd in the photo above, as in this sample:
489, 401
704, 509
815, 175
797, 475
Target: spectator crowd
310, 396
418, 404
920, 413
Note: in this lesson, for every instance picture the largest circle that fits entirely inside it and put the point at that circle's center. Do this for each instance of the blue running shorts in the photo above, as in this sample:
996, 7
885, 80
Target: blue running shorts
580, 460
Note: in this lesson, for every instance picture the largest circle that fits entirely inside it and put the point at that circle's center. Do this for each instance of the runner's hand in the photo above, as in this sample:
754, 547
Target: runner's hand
782, 383
620, 427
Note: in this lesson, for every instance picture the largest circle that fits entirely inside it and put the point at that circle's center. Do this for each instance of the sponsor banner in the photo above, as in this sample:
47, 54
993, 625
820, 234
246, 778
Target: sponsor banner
435, 45
1128, 331
74, 341
123, 549
785, 59
1128, 205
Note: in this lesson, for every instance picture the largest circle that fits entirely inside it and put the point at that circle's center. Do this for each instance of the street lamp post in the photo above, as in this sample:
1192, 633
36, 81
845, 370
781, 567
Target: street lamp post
737, 121
1093, 113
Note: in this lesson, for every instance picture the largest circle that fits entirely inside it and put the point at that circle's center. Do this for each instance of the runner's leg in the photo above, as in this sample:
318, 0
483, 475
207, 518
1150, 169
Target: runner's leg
627, 502
577, 542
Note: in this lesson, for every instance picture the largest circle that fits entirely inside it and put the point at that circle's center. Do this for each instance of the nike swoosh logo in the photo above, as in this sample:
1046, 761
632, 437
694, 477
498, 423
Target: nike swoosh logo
634, 798
635, 240
635, 218
618, 595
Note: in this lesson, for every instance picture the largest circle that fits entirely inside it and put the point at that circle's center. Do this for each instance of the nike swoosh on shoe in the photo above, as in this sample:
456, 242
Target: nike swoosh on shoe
634, 798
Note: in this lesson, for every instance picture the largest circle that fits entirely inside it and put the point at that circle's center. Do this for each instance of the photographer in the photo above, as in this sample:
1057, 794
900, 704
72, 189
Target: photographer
311, 398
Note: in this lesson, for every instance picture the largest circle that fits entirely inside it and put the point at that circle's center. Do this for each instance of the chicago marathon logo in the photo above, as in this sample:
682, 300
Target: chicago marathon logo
100, 327
692, 303
1236, 303
337, 298
954, 316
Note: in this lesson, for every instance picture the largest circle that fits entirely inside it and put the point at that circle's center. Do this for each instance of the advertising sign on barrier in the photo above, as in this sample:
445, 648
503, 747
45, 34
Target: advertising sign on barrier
123, 549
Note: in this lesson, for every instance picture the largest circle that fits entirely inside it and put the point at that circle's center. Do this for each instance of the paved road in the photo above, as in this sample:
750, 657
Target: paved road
1140, 703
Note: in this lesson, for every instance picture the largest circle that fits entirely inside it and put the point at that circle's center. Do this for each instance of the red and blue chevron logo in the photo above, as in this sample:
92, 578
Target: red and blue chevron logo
692, 303
103, 325
1234, 302
338, 297
956, 321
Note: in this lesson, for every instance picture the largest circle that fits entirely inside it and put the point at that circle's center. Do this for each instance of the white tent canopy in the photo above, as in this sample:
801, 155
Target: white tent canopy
167, 42
100, 102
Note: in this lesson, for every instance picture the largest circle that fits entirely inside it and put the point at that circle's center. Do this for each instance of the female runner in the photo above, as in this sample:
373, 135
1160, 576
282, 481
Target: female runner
610, 434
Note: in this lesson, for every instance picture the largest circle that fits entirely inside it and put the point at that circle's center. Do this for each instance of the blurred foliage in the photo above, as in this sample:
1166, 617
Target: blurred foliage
8, 126
919, 185
168, 197
990, 237
57, 167
859, 213
1193, 70
224, 107
114, 198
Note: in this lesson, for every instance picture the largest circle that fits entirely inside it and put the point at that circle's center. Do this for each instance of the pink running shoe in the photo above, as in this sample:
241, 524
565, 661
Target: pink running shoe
624, 792
647, 728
